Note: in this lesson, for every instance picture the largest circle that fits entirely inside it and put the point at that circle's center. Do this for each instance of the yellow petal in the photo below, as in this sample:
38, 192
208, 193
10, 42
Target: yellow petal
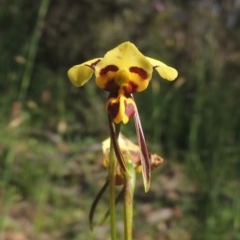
81, 73
164, 70
127, 59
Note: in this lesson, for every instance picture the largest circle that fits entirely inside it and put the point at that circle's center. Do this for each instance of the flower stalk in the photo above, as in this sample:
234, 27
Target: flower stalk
112, 179
112, 184
128, 201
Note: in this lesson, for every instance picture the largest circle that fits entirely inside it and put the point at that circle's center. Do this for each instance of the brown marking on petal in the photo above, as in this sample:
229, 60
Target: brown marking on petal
93, 65
130, 88
112, 87
113, 109
112, 68
129, 109
140, 71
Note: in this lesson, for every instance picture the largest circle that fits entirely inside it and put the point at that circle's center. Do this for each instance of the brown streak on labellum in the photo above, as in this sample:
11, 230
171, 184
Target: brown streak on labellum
113, 109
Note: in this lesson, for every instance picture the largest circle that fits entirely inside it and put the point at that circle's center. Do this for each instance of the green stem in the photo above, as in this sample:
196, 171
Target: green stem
112, 185
33, 50
128, 201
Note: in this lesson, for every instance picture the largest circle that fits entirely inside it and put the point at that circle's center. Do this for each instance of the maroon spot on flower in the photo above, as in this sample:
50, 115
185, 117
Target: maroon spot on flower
112, 87
129, 109
130, 88
113, 109
141, 72
108, 68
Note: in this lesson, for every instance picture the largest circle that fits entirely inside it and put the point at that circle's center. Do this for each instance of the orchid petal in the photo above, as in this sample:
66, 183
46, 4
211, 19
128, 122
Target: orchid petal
80, 74
164, 70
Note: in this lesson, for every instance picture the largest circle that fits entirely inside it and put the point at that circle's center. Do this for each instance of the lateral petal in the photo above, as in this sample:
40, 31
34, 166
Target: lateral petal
80, 74
165, 71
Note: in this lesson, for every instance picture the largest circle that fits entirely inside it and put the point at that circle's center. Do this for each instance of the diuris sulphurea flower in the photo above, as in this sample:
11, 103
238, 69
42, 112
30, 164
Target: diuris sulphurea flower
123, 71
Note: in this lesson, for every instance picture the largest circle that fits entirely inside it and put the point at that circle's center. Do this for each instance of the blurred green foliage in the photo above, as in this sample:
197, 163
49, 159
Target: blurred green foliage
47, 124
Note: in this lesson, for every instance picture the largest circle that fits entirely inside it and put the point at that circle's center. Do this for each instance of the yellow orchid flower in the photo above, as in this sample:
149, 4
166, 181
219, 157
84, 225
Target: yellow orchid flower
122, 71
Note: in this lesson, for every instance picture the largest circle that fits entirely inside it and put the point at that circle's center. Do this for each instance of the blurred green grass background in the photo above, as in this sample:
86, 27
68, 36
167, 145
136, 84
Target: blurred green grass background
51, 132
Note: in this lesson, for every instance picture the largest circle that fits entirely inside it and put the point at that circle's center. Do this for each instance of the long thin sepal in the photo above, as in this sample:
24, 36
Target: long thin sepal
118, 153
118, 198
95, 203
144, 155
